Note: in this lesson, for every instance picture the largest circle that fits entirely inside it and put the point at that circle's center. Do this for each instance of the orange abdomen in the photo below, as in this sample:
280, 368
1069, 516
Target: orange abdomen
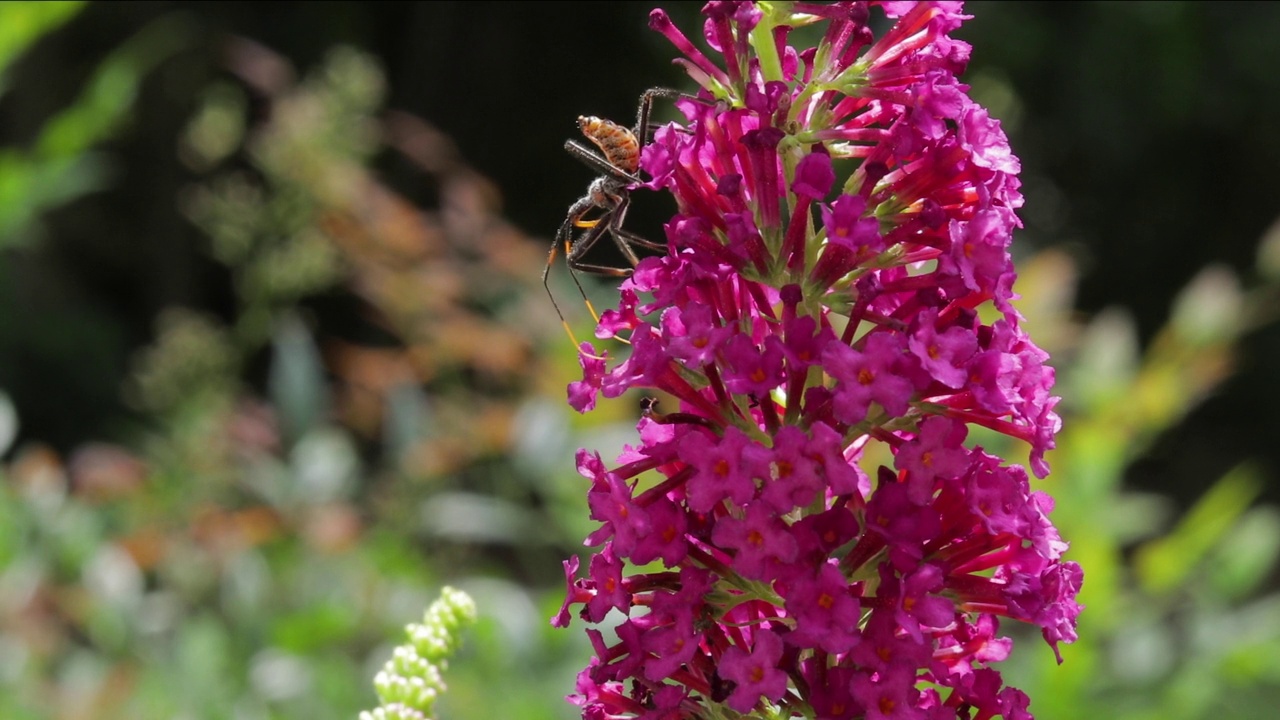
618, 144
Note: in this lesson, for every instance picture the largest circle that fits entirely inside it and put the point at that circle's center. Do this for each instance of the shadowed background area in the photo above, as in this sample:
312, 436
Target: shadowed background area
275, 362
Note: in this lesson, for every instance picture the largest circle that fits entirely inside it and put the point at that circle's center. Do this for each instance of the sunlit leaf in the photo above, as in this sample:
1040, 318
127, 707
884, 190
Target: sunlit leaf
23, 23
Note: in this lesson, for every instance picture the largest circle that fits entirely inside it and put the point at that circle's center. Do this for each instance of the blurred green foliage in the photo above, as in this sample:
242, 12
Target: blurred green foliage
1177, 614
23, 23
254, 552
380, 411
59, 165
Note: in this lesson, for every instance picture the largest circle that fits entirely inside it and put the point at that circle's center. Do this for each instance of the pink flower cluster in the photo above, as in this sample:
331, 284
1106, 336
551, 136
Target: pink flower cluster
832, 317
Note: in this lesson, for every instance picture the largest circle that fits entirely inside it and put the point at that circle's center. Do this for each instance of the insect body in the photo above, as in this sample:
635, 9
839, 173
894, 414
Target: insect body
620, 146
604, 207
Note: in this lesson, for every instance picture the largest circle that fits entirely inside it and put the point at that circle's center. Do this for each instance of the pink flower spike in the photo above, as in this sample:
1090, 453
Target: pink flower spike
805, 527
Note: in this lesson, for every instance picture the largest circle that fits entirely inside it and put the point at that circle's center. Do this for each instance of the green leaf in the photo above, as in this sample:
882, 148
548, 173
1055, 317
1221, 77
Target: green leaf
1168, 563
23, 23
1247, 555
58, 167
110, 93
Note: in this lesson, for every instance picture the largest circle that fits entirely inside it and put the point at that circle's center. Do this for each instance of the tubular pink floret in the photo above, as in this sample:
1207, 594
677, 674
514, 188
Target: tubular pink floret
661, 22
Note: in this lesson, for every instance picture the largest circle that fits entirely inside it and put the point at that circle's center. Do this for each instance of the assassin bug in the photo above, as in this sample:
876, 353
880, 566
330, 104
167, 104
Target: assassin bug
608, 197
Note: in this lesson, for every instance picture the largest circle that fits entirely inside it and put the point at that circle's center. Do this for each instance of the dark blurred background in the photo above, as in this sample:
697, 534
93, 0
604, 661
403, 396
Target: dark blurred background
1147, 133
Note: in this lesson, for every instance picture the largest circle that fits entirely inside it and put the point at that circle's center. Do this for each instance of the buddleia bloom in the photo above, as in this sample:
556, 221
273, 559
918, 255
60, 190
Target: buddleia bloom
812, 531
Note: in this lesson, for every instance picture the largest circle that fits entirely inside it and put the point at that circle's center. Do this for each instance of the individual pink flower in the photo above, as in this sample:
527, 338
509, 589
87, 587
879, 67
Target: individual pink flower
755, 673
